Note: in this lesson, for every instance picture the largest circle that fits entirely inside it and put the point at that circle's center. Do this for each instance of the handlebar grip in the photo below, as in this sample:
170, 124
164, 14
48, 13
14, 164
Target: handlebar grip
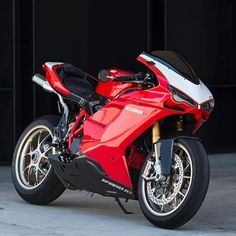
136, 77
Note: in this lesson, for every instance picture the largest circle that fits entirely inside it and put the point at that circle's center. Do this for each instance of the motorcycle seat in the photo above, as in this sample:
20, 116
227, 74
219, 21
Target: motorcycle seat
78, 82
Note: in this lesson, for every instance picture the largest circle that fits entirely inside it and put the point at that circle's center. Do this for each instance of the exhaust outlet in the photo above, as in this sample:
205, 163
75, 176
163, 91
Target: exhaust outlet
41, 80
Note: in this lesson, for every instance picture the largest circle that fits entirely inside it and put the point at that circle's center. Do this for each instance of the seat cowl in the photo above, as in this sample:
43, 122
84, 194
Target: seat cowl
50, 64
53, 78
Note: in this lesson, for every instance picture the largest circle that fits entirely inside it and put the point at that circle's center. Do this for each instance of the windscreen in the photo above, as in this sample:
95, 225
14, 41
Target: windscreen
177, 63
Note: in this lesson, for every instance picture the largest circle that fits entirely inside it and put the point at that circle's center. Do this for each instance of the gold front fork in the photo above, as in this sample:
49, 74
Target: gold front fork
156, 135
179, 124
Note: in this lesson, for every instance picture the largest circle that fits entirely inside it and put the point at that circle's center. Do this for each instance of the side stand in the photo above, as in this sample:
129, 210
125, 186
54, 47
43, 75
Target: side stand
122, 207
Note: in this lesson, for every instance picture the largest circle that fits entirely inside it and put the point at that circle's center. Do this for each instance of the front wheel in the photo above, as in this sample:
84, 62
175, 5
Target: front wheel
175, 201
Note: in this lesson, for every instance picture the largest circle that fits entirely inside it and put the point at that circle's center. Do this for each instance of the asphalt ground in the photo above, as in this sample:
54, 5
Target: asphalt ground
76, 213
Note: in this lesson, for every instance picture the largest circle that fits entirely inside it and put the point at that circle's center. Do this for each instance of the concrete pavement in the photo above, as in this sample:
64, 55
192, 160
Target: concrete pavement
75, 213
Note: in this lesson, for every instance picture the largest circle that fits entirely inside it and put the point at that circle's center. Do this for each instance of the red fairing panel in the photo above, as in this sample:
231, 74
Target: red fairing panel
109, 132
200, 115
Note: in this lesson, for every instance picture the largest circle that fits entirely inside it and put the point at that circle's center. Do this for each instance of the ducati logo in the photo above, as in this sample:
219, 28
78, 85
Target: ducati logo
134, 110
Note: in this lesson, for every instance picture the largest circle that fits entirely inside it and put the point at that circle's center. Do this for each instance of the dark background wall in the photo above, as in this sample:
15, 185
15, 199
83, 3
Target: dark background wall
98, 34
6, 81
204, 32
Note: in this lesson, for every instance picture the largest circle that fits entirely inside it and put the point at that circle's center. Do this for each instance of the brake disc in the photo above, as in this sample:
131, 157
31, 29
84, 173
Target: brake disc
173, 187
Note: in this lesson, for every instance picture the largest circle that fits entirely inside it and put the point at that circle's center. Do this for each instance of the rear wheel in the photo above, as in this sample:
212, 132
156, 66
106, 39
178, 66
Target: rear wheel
172, 203
33, 176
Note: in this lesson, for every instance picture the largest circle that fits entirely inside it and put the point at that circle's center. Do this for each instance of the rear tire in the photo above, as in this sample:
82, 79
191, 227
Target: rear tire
190, 193
33, 176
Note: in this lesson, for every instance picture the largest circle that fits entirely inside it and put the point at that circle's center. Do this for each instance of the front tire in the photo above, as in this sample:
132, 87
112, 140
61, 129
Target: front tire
33, 176
174, 202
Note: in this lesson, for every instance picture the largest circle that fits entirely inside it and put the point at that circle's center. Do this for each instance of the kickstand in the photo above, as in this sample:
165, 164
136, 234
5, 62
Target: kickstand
122, 207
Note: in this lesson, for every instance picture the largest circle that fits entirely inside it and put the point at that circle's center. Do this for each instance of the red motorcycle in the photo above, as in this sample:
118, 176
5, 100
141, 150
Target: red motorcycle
124, 135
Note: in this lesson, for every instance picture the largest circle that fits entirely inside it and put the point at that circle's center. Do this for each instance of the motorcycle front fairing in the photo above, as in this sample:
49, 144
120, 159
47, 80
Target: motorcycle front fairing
110, 131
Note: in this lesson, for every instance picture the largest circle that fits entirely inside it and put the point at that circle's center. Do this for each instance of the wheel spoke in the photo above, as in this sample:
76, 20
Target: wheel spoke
28, 166
29, 172
44, 139
43, 156
162, 208
39, 137
181, 193
31, 147
41, 171
187, 166
28, 154
36, 176
186, 177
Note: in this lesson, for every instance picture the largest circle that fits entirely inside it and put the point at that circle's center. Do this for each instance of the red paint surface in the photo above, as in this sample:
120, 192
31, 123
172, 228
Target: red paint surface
109, 132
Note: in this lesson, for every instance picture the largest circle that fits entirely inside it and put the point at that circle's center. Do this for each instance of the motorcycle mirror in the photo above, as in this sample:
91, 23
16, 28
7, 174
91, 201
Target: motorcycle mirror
103, 75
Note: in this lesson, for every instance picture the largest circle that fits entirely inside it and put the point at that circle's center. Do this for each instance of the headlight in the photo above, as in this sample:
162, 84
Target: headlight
180, 97
208, 105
